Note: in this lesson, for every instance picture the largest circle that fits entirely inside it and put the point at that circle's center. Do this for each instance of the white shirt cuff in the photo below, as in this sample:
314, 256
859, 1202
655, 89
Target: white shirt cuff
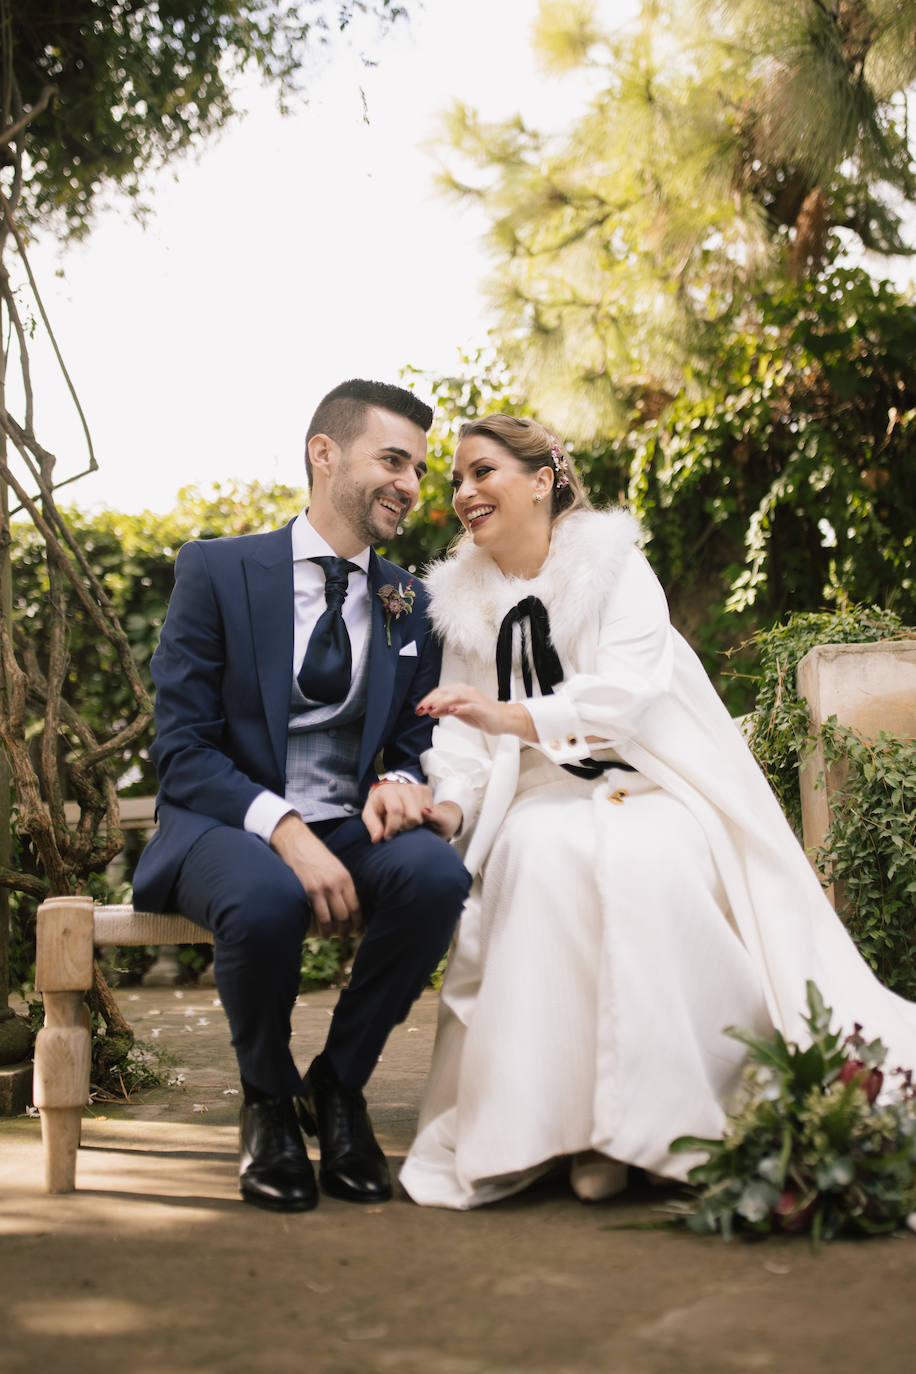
265, 813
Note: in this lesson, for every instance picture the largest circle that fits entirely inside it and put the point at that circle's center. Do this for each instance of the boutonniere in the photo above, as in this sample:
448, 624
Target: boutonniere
397, 601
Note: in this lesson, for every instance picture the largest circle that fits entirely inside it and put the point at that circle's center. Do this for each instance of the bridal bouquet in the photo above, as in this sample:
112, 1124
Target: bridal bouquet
816, 1141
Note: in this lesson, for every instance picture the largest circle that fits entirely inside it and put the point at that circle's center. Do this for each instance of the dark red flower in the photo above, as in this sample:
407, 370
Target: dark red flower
790, 1216
869, 1080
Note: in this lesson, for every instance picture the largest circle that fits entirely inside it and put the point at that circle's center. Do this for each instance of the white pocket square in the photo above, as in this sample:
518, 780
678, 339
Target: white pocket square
408, 650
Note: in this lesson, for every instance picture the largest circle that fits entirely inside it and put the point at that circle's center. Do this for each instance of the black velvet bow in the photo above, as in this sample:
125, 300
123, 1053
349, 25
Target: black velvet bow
546, 662
547, 667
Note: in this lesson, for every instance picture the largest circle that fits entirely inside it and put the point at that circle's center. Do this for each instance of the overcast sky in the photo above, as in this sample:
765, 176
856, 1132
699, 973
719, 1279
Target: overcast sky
292, 253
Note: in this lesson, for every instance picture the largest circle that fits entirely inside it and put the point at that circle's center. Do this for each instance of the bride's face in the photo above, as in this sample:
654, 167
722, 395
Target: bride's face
494, 495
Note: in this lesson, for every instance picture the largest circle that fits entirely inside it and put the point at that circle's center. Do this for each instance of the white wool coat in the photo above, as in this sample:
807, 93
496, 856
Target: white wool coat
632, 680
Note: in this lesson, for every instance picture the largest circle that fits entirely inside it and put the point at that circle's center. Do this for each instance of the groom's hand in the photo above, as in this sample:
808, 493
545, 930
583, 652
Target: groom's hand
395, 806
327, 882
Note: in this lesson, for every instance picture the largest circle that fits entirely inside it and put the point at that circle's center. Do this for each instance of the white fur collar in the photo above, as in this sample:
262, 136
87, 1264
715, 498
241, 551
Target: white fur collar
469, 595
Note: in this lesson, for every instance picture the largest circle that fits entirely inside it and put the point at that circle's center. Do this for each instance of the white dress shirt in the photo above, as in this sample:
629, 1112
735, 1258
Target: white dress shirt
308, 604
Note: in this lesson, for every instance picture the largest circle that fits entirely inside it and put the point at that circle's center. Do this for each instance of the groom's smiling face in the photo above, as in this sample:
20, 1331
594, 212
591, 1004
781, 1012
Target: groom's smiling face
375, 480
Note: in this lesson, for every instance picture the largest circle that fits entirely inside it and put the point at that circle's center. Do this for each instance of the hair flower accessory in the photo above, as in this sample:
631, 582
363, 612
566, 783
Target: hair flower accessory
560, 465
397, 601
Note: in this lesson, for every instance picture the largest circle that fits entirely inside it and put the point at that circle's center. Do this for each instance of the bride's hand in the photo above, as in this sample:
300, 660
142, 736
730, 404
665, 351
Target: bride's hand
474, 708
444, 818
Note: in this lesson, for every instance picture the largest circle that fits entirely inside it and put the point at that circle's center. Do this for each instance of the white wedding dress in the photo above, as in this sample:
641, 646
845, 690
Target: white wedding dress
616, 927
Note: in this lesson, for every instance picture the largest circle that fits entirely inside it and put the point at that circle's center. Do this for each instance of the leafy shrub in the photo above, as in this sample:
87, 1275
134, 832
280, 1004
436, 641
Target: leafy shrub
869, 850
788, 484
780, 733
324, 960
870, 846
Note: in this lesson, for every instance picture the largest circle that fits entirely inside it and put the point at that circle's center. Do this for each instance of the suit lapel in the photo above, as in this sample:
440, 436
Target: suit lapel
269, 580
383, 659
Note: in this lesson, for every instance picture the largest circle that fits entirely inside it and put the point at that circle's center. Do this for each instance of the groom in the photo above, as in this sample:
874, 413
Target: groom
287, 663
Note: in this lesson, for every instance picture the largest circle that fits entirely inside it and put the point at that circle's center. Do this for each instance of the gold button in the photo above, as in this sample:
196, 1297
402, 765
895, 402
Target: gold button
571, 739
618, 796
554, 744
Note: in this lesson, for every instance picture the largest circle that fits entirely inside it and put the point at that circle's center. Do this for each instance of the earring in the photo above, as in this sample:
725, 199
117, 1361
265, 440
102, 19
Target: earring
539, 496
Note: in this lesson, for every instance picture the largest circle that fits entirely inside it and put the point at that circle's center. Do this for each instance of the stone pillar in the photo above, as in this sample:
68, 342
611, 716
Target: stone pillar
870, 687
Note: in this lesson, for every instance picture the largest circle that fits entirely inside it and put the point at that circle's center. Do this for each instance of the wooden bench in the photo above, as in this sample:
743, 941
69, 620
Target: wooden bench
69, 928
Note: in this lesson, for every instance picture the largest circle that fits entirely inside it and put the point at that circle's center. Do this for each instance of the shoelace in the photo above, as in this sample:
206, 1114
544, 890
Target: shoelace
350, 1110
279, 1132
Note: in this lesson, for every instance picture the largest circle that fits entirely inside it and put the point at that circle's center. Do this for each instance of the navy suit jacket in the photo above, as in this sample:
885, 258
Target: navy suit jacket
223, 676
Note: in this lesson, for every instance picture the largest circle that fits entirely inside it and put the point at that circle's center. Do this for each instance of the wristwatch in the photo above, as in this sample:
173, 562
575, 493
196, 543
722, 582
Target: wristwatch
397, 775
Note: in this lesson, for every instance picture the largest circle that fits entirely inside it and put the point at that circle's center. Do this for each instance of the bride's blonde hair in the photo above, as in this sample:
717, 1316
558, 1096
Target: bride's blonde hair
535, 447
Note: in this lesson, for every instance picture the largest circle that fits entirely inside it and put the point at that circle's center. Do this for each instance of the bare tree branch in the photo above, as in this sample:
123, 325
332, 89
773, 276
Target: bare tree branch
20, 245
12, 131
46, 740
27, 883
85, 583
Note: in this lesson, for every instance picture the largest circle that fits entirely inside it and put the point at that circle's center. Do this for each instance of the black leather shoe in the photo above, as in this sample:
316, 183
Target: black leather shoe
352, 1164
274, 1168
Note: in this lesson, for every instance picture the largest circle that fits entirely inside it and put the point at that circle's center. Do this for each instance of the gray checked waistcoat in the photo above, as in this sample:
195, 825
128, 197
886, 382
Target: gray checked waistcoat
322, 751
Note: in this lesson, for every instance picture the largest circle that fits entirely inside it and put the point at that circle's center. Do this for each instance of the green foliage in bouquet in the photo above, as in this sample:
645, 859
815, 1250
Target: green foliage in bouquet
809, 1146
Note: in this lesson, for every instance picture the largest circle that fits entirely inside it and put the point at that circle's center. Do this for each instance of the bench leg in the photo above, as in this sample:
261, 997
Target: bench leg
62, 1051
60, 1137
63, 974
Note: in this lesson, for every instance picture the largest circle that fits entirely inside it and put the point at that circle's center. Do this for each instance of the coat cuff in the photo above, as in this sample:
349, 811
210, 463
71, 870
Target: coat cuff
560, 731
464, 797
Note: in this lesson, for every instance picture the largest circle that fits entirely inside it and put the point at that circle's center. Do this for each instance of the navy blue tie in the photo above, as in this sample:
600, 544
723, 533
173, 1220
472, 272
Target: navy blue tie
325, 672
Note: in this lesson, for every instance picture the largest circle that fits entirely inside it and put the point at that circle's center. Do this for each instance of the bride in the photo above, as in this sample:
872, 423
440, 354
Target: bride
637, 888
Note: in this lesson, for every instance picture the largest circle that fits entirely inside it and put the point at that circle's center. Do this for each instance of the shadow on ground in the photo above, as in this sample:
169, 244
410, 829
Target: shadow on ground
154, 1267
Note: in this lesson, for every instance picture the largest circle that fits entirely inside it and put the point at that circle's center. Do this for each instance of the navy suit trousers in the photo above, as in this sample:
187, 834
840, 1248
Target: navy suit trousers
411, 889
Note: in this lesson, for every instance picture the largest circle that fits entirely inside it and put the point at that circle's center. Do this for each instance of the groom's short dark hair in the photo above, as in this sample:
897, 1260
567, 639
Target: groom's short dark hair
342, 413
